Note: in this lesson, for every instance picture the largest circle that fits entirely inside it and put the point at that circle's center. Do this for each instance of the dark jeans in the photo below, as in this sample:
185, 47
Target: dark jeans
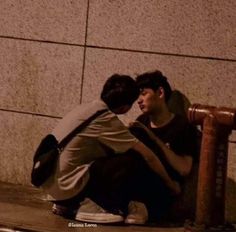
118, 179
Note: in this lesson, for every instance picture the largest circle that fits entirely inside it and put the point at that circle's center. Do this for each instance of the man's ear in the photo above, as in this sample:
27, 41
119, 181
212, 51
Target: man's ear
161, 92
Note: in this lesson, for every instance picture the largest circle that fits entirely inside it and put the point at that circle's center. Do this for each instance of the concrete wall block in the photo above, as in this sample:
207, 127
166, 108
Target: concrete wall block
200, 80
200, 28
60, 21
39, 77
20, 136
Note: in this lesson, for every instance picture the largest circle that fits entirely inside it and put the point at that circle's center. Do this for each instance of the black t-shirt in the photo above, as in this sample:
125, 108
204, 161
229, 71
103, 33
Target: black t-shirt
179, 135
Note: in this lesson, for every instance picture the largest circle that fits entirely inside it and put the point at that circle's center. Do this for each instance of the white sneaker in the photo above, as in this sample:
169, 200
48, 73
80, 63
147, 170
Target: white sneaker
89, 211
138, 213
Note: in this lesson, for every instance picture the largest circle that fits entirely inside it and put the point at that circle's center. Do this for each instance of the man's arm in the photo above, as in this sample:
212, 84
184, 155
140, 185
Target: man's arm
182, 164
155, 164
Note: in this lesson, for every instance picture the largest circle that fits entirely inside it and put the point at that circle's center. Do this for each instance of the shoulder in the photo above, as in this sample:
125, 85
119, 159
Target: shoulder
181, 126
183, 122
189, 133
76, 117
144, 119
180, 120
110, 123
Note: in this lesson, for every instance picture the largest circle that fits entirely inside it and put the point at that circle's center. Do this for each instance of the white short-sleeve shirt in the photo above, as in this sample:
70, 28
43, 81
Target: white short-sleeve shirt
71, 174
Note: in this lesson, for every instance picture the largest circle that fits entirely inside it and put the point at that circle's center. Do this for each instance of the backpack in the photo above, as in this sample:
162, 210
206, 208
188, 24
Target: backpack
48, 151
44, 159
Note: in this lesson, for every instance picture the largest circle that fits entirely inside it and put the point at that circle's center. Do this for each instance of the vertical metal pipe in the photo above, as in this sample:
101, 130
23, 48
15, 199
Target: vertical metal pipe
206, 178
217, 125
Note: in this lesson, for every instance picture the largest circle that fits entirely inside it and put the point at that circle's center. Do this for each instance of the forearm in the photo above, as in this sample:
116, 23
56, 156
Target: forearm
182, 164
153, 162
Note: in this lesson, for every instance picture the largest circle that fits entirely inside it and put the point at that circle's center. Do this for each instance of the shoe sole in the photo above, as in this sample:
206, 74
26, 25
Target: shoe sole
98, 219
135, 221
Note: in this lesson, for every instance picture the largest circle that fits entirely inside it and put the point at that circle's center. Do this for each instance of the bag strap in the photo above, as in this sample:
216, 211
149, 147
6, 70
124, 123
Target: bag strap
80, 127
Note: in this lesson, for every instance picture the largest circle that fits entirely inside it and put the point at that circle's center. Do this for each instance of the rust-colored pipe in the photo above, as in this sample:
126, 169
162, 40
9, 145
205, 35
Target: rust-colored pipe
224, 115
205, 201
217, 125
197, 113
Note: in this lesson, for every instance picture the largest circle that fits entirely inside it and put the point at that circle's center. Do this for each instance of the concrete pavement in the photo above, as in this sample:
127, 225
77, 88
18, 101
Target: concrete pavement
22, 208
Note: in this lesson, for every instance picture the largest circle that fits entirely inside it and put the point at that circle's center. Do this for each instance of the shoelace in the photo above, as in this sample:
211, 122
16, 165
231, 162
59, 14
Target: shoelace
93, 206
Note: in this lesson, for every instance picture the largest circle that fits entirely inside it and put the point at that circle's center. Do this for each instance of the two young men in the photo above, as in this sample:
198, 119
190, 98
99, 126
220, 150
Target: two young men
97, 176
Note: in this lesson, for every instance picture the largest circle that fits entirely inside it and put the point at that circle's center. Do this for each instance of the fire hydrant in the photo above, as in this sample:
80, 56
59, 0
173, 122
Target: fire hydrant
217, 124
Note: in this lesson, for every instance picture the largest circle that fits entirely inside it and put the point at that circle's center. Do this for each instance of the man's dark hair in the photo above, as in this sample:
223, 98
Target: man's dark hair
119, 90
154, 80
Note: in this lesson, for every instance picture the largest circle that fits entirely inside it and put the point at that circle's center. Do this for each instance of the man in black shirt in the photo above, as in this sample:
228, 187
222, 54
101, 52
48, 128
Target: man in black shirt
169, 135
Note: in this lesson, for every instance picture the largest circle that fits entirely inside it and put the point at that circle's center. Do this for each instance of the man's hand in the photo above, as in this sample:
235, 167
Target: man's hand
174, 187
181, 163
142, 126
137, 124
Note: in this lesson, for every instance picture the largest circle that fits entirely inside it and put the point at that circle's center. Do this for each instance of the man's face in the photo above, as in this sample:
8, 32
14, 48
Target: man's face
149, 100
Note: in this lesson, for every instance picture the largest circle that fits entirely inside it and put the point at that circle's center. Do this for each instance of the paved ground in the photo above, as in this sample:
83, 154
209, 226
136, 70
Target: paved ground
23, 209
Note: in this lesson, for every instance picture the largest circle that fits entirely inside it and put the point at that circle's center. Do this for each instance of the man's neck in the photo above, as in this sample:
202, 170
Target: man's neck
161, 118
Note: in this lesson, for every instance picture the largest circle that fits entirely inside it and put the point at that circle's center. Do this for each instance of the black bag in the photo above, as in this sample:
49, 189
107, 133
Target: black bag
44, 160
46, 155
